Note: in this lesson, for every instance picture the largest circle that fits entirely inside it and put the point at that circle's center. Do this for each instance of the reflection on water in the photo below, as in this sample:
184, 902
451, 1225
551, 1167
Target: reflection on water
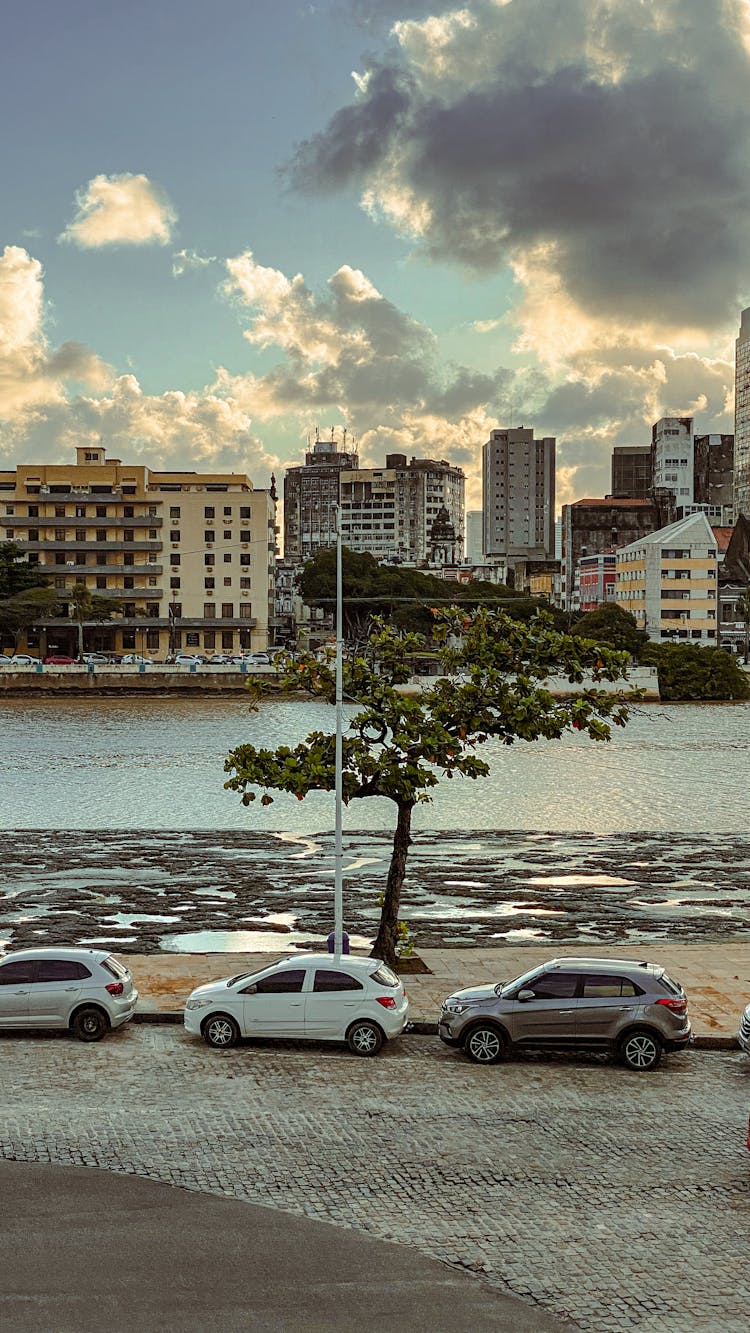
158, 763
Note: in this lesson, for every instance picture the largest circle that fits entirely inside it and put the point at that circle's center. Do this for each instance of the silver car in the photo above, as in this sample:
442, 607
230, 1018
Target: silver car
743, 1036
85, 990
632, 1010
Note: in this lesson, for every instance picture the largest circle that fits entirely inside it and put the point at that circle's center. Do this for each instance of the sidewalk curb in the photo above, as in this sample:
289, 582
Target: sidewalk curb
706, 1043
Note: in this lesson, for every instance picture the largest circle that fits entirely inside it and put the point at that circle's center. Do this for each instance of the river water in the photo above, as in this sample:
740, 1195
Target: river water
117, 828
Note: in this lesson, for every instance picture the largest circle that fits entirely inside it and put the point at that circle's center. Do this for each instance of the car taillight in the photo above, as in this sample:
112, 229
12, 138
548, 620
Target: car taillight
387, 1001
115, 988
678, 1006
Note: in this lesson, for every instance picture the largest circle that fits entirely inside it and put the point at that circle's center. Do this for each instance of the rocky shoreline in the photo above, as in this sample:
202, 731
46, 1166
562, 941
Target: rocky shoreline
151, 890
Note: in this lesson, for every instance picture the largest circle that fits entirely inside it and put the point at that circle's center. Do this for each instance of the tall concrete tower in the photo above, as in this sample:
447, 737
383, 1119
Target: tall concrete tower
742, 419
518, 496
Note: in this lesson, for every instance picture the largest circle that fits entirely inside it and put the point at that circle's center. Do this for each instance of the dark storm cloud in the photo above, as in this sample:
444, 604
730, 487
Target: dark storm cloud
640, 181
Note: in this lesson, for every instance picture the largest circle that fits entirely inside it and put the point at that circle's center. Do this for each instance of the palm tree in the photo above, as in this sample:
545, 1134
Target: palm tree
87, 605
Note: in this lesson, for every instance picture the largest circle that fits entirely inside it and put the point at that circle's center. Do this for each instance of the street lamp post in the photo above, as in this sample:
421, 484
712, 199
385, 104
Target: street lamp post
338, 854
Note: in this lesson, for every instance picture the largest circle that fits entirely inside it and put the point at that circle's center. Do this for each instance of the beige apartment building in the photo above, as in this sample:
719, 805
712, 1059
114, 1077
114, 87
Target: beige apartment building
189, 557
668, 580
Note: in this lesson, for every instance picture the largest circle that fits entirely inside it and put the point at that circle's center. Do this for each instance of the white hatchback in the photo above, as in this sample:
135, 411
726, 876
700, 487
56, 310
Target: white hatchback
356, 1000
86, 990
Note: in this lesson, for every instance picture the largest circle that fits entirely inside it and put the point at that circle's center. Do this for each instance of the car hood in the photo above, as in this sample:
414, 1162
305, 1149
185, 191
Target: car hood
471, 993
212, 987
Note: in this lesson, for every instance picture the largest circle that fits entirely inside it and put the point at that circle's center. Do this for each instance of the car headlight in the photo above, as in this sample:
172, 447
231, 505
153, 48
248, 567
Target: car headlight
455, 1006
198, 1003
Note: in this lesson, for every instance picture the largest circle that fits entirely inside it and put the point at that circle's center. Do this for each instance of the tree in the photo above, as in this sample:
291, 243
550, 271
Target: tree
24, 595
87, 605
688, 672
613, 625
743, 607
399, 745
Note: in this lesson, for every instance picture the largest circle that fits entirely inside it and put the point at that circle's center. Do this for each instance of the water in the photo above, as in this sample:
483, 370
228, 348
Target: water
158, 764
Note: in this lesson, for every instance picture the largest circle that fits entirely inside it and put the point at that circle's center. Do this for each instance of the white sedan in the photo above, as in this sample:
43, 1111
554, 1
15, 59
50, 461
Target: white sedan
356, 1000
24, 659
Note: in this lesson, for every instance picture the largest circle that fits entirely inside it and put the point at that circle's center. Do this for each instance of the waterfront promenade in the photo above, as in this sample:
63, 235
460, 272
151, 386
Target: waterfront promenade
715, 976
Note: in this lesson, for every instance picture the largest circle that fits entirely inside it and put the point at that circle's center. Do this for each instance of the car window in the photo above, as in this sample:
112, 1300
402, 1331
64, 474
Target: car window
111, 965
327, 979
60, 969
384, 977
670, 985
281, 983
11, 974
599, 987
553, 985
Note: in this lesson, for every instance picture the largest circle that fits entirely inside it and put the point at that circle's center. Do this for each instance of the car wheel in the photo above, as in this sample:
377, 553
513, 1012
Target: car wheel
641, 1051
221, 1032
90, 1024
485, 1045
364, 1038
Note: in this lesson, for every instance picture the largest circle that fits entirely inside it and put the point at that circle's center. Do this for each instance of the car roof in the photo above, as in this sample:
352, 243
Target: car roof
605, 964
50, 951
322, 960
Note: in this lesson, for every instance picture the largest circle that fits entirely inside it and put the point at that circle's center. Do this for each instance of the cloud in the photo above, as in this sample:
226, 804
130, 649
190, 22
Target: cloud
185, 260
121, 210
612, 131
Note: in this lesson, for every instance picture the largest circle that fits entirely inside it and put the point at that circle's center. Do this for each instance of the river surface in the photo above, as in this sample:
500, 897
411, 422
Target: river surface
114, 827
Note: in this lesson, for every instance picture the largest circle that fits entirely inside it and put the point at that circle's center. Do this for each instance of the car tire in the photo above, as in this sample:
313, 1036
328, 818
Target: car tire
90, 1024
220, 1032
364, 1037
485, 1044
641, 1050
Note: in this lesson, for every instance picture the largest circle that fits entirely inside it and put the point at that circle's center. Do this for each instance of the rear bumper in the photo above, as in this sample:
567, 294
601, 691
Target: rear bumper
681, 1042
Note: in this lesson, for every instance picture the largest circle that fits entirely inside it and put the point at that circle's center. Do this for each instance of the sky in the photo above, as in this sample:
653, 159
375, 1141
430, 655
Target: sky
225, 226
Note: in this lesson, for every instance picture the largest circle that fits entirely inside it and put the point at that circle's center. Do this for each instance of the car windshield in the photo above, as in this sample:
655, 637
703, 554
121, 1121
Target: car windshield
245, 976
503, 986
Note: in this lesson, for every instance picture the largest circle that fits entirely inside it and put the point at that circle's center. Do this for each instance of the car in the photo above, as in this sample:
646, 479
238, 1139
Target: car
85, 990
632, 1010
743, 1036
24, 659
59, 659
257, 659
222, 659
359, 1001
135, 659
188, 659
99, 659
4, 660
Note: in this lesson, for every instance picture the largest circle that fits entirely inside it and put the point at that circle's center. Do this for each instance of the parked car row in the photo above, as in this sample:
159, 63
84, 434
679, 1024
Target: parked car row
137, 659
631, 1010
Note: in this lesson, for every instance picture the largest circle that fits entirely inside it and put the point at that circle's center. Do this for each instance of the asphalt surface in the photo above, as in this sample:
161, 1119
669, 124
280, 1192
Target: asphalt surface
86, 1250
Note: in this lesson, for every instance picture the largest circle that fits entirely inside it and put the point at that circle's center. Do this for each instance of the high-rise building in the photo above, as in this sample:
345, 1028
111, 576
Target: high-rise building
672, 457
410, 511
631, 471
742, 418
713, 476
593, 527
311, 498
189, 557
668, 581
474, 552
518, 496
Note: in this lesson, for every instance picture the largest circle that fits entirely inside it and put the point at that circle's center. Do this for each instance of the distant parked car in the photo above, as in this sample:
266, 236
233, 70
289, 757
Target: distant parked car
258, 659
24, 659
85, 990
188, 659
5, 660
632, 1010
743, 1036
135, 659
356, 1000
59, 659
98, 658
222, 659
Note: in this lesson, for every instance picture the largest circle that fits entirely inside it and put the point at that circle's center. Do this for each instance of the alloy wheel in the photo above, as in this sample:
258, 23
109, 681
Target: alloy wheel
641, 1051
485, 1046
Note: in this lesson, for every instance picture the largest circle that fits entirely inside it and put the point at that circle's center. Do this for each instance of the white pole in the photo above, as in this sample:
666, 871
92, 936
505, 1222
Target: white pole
338, 897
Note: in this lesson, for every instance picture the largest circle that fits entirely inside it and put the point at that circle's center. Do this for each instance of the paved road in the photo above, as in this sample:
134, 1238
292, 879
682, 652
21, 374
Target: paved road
617, 1200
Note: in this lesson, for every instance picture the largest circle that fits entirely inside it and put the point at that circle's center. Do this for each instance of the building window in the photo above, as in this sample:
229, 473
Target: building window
11, 509
245, 511
129, 511
127, 536
209, 638
59, 534
227, 511
174, 511
209, 559
209, 610
33, 511
128, 610
245, 558
227, 610
245, 536
210, 584
152, 610
152, 581
245, 583
174, 535
128, 581
175, 609
209, 535
128, 639
60, 582
209, 512
227, 535
101, 511
152, 638
80, 511
101, 580
227, 639
246, 611
174, 582
227, 583
227, 557
80, 534
152, 534
101, 535
175, 558
128, 558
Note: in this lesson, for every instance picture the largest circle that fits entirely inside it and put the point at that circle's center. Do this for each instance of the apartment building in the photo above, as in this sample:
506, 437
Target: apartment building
742, 418
518, 496
188, 557
672, 457
311, 498
599, 525
668, 580
632, 472
402, 512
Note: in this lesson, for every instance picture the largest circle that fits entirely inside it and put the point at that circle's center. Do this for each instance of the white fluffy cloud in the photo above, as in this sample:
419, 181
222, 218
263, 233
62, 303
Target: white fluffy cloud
121, 210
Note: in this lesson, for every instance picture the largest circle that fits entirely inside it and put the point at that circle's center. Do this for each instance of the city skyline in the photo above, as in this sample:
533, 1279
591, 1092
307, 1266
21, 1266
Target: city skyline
422, 224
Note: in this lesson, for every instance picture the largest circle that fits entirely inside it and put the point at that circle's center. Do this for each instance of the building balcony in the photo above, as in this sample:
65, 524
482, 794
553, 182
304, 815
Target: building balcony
44, 495
91, 546
70, 522
73, 569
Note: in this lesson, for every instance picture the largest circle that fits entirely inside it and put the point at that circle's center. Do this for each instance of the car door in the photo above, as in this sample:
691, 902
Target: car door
274, 1006
604, 1004
55, 989
332, 1003
15, 987
550, 1017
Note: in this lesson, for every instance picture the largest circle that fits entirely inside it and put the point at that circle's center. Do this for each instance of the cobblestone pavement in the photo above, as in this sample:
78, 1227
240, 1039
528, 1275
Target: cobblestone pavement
617, 1200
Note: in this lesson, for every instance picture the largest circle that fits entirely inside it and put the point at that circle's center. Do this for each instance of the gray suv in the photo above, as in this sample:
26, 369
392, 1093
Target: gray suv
632, 1010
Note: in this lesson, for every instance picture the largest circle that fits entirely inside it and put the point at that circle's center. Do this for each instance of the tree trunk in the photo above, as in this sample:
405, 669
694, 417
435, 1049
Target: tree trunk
387, 937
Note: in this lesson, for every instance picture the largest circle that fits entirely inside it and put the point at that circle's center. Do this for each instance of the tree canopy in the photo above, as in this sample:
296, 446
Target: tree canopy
613, 625
25, 597
689, 672
400, 745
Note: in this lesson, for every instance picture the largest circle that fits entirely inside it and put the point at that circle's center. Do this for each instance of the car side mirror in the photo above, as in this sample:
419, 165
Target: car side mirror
526, 995
250, 990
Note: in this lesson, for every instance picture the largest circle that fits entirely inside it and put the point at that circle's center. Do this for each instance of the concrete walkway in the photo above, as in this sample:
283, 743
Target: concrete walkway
716, 977
85, 1250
